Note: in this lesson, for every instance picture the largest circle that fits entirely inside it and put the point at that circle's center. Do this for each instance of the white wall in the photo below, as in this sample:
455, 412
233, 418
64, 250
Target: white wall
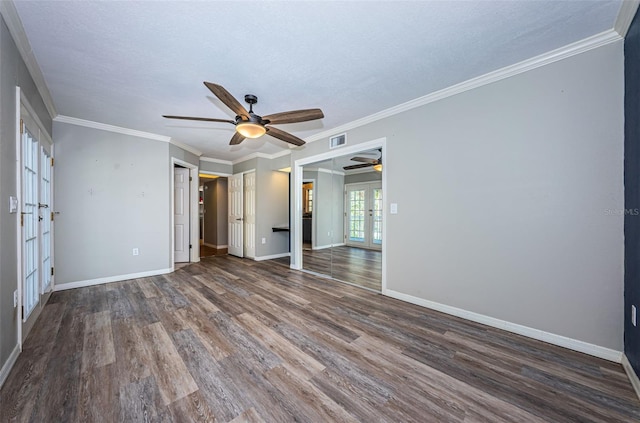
112, 192
503, 193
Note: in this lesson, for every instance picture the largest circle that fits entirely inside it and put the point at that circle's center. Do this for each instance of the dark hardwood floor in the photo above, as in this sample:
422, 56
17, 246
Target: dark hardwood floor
358, 266
232, 340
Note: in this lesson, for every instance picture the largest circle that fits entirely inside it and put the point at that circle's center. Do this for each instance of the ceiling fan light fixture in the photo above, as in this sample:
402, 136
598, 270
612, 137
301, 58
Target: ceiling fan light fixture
250, 129
378, 167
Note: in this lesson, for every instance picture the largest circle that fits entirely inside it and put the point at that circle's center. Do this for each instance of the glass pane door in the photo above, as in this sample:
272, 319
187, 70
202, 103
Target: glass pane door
29, 221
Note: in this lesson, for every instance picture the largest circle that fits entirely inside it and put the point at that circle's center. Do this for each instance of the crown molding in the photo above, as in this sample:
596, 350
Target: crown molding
212, 160
12, 19
627, 11
110, 128
590, 43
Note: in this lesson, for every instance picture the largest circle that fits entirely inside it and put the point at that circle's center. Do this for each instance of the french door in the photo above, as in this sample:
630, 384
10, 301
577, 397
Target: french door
363, 213
36, 252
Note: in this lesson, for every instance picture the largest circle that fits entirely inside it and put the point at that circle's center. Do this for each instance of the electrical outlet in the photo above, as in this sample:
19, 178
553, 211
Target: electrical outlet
136, 252
15, 298
264, 240
633, 315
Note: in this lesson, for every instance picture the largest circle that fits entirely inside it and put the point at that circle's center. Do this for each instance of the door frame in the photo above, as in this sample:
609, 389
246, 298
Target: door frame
221, 175
313, 219
296, 212
43, 137
194, 183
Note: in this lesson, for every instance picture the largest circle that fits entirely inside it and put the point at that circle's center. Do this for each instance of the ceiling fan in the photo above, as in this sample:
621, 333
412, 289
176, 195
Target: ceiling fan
366, 162
250, 125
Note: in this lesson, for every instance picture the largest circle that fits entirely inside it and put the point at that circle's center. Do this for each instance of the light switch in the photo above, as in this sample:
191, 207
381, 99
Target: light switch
394, 208
13, 204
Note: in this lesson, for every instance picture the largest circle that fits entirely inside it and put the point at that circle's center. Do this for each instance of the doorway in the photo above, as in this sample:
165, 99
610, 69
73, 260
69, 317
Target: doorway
184, 212
213, 214
242, 214
34, 149
307, 214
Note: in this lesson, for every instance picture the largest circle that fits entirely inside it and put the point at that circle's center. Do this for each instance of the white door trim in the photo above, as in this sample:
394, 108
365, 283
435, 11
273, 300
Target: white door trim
313, 219
19, 213
194, 252
296, 188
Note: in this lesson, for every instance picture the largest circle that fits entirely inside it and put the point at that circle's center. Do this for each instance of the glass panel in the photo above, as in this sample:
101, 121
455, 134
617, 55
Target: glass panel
357, 210
30, 210
377, 216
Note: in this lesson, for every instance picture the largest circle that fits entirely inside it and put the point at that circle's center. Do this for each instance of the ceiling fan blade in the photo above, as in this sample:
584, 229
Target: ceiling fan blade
365, 160
294, 116
358, 166
284, 136
198, 118
227, 99
236, 139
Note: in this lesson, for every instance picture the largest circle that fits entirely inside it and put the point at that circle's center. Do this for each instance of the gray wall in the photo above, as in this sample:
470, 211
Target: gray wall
13, 72
112, 192
185, 156
225, 169
328, 207
272, 204
357, 178
514, 214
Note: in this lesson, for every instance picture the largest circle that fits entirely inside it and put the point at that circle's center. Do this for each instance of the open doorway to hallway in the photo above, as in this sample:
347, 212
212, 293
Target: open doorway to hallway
213, 203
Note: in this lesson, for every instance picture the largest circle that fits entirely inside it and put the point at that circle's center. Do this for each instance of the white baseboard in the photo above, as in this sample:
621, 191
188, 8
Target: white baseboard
217, 247
631, 374
562, 341
8, 365
322, 247
118, 278
272, 256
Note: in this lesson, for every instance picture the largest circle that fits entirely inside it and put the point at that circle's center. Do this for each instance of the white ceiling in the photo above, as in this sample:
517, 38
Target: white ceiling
125, 63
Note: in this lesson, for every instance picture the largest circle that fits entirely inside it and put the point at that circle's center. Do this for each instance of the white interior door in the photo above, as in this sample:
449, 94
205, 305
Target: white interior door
45, 216
363, 212
236, 215
250, 214
181, 214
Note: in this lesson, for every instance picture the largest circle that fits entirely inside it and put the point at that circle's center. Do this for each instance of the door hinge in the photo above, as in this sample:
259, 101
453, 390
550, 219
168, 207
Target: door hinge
52, 216
190, 246
52, 162
22, 312
190, 179
52, 272
21, 126
22, 220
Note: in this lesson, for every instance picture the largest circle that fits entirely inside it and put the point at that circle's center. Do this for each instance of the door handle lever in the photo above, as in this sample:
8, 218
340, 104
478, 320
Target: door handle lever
43, 206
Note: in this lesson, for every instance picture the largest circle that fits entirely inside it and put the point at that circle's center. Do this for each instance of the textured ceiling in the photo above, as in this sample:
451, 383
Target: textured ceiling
126, 63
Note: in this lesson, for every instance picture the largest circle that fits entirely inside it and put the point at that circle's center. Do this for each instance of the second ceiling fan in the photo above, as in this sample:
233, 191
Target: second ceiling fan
250, 125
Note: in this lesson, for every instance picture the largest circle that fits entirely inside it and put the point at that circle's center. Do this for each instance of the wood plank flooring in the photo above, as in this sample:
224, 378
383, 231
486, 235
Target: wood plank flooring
358, 266
232, 340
